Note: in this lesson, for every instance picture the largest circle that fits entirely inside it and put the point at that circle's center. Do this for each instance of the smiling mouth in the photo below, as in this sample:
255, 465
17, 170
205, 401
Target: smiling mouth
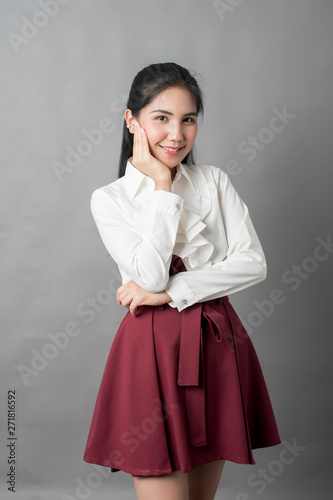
173, 150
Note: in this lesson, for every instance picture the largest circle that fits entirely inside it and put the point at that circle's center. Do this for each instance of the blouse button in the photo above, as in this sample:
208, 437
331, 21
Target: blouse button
178, 206
185, 302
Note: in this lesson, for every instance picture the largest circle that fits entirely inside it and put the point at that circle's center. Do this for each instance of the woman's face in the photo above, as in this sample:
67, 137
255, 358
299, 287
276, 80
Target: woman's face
170, 122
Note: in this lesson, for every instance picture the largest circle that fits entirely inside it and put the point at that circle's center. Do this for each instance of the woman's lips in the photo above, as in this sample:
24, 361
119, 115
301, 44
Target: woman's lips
171, 151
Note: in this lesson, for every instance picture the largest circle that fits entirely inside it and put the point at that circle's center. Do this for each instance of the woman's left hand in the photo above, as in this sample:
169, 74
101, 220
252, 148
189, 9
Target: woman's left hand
131, 295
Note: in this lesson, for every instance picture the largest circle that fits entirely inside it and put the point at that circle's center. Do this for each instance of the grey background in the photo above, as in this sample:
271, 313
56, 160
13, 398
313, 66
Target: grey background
68, 76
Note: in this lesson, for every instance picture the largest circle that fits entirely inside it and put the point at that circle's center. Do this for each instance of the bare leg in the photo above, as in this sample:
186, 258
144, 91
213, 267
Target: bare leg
204, 480
167, 487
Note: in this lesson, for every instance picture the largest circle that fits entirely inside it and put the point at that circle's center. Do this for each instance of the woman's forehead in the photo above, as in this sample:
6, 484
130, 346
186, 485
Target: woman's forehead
173, 99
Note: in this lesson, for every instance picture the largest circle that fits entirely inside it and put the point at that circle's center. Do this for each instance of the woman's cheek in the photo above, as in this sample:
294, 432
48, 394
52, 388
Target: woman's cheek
192, 135
154, 137
153, 134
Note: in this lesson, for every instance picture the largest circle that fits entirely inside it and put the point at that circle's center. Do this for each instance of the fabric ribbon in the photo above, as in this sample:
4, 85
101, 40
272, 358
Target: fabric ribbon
191, 359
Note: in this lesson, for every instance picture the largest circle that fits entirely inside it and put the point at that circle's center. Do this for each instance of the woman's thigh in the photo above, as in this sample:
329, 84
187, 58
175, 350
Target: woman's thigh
169, 486
200, 483
203, 480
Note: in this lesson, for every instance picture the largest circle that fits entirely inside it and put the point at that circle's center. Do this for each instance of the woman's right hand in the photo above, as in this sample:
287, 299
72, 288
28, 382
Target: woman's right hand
144, 160
132, 295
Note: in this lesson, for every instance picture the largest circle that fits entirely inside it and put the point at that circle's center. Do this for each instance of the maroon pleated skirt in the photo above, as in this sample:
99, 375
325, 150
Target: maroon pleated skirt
180, 389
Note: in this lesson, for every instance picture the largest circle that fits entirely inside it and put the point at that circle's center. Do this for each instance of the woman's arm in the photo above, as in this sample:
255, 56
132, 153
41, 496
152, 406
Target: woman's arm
131, 295
143, 253
244, 265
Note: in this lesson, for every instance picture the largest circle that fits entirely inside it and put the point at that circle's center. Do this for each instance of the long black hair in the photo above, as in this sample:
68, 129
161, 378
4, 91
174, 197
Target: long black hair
147, 84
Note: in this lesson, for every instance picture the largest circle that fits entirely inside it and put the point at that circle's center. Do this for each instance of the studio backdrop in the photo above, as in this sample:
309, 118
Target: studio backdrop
66, 67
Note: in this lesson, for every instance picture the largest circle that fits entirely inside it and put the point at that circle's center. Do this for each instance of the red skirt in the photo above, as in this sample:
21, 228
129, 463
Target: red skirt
180, 389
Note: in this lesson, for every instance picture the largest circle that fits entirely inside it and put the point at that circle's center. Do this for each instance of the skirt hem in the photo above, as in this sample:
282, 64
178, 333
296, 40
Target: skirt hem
159, 472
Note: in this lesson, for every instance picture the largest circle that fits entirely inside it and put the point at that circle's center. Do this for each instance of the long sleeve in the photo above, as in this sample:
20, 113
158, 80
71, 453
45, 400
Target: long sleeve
141, 245
244, 264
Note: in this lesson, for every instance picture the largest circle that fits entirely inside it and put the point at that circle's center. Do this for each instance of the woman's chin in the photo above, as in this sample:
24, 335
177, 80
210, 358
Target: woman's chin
168, 162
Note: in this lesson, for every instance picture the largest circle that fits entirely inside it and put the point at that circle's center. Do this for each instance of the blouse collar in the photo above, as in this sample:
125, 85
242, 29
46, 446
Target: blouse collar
134, 177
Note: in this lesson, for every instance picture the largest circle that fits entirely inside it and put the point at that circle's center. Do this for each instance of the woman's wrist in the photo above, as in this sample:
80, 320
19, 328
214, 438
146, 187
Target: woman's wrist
158, 299
164, 184
167, 297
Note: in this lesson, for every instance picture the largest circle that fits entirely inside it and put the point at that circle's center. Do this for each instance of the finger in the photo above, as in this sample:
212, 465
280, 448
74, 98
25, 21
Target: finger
133, 308
137, 150
144, 143
123, 298
119, 294
135, 141
126, 301
142, 149
143, 140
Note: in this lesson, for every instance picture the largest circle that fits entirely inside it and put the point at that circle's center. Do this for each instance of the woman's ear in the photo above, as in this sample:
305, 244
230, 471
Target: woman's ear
129, 120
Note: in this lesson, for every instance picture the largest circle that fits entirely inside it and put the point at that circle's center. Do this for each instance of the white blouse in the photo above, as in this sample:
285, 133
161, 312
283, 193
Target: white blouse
202, 220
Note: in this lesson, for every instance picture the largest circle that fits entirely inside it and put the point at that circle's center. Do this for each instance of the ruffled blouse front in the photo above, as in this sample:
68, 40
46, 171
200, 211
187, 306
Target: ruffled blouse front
202, 220
190, 245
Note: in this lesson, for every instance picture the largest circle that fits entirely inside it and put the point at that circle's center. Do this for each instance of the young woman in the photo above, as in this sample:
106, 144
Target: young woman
182, 390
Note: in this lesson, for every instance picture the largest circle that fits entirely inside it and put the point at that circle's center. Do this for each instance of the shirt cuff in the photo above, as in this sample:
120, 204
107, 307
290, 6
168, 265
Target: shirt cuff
167, 202
181, 294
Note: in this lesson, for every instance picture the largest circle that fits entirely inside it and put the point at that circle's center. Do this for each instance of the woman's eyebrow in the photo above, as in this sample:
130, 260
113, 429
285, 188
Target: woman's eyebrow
193, 113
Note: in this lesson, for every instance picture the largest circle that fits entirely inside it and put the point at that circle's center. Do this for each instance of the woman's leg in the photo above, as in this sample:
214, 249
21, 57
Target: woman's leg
200, 483
203, 481
167, 487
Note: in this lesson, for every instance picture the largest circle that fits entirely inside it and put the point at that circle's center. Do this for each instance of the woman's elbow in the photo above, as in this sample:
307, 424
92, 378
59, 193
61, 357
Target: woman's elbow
262, 270
156, 284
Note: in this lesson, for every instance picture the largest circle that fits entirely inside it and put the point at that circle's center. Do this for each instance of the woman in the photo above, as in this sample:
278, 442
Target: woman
182, 390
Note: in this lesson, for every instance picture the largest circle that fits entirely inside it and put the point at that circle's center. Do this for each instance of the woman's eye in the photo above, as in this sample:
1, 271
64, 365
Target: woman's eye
163, 118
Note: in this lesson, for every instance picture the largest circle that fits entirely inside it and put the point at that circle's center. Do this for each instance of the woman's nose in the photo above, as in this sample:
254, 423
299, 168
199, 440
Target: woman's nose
175, 132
